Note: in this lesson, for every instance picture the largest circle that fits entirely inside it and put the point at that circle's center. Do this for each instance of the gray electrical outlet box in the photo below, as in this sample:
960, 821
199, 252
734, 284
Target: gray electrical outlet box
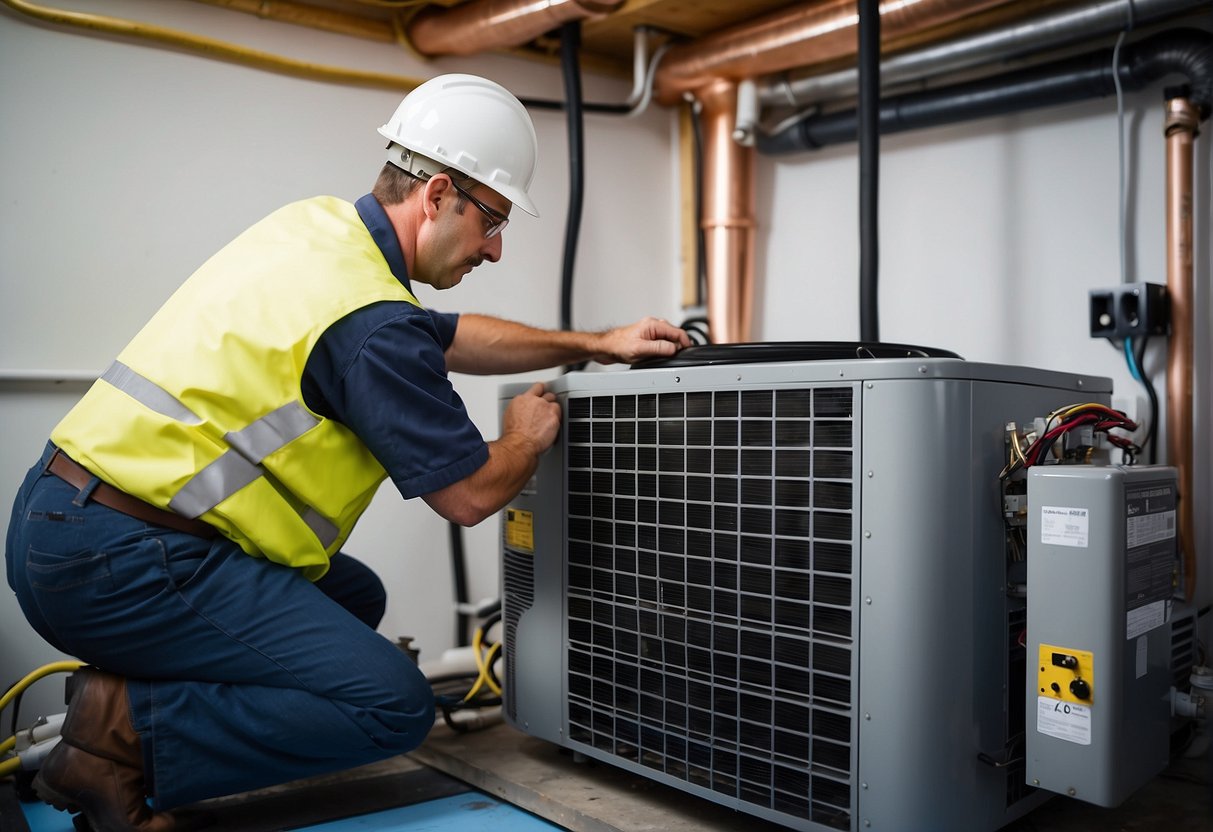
1101, 561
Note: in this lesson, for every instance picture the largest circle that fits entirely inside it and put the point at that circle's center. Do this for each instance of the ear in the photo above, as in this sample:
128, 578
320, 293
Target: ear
437, 189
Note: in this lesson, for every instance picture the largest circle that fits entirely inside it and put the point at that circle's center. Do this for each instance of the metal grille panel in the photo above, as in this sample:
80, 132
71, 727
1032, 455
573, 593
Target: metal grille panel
710, 590
518, 583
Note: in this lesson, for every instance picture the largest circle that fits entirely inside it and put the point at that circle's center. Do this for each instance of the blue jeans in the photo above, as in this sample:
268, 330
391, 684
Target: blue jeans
240, 672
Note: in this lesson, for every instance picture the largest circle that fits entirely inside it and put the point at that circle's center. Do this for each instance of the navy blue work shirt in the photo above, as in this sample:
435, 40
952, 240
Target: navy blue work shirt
381, 372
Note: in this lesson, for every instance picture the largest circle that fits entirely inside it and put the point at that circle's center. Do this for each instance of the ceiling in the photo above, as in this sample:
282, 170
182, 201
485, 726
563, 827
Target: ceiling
606, 41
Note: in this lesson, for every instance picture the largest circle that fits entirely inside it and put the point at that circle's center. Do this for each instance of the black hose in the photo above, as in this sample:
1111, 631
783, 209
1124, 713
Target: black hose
701, 246
460, 579
605, 109
1187, 52
869, 169
570, 43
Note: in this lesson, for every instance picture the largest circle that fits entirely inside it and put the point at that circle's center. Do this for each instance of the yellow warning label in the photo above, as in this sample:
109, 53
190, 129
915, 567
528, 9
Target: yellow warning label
520, 530
1066, 674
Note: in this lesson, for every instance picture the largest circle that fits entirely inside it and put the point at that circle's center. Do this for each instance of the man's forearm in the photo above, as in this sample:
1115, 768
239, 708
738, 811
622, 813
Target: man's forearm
487, 346
512, 461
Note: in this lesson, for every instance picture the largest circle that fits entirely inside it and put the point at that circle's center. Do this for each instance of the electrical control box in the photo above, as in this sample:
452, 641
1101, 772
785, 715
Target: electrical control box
1101, 559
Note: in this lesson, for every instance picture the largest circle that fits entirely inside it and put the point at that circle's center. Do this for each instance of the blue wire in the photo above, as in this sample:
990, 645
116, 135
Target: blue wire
1132, 360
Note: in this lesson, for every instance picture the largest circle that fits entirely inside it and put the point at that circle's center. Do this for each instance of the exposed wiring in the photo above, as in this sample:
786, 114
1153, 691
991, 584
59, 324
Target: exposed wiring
1099, 418
212, 48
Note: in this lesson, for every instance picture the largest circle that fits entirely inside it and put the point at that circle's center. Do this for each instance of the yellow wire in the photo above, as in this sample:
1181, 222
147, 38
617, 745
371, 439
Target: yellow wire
8, 745
10, 766
45, 670
483, 663
485, 678
211, 48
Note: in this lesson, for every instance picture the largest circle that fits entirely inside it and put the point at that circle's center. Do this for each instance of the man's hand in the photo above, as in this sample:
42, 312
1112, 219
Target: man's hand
534, 416
528, 428
647, 338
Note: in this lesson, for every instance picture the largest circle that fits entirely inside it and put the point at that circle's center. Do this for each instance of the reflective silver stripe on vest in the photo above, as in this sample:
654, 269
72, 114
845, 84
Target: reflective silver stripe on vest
214, 484
148, 393
235, 468
326, 532
272, 431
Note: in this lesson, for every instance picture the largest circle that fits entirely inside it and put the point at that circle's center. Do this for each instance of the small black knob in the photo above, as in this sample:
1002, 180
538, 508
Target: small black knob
1080, 688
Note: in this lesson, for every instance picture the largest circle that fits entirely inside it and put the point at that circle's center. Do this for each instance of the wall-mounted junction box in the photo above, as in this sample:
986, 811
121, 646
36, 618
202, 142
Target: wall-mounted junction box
1101, 563
1130, 310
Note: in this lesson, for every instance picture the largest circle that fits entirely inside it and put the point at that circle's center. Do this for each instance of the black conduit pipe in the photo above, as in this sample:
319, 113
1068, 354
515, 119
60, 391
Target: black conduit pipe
1187, 52
869, 169
570, 43
460, 579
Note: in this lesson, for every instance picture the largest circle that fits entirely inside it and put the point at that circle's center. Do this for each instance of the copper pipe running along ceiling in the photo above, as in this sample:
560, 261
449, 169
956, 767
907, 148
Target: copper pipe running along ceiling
799, 36
484, 25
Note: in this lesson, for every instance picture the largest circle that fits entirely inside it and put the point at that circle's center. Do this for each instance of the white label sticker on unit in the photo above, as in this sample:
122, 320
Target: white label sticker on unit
1145, 529
1064, 720
1144, 619
1061, 526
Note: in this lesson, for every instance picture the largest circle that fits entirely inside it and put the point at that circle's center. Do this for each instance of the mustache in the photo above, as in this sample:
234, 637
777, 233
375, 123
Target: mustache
473, 261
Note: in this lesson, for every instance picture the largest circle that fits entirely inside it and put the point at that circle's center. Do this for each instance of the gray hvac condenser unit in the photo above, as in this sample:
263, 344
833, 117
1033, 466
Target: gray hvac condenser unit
783, 585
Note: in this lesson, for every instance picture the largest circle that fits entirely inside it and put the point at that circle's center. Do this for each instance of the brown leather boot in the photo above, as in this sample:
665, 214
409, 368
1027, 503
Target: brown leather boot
97, 768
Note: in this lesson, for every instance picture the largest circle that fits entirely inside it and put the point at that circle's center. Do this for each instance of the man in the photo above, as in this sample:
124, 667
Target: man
182, 529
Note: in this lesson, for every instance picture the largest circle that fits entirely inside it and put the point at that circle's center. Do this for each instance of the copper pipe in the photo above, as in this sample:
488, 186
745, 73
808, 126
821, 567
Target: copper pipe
484, 25
1181, 129
326, 20
729, 208
799, 36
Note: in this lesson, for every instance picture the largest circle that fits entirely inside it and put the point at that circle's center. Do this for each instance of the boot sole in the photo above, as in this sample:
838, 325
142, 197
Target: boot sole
55, 797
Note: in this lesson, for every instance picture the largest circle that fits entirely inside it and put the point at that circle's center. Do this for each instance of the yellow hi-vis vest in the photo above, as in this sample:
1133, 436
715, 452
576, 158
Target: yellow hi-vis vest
202, 412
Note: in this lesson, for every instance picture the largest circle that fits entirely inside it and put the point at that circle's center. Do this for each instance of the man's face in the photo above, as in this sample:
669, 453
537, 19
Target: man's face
453, 242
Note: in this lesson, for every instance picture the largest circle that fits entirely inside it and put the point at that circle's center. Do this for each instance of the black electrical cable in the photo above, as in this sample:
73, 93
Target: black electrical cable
701, 245
570, 44
869, 169
605, 109
460, 580
1148, 442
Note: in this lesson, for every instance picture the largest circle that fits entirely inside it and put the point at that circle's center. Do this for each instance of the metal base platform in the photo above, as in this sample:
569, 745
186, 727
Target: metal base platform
588, 796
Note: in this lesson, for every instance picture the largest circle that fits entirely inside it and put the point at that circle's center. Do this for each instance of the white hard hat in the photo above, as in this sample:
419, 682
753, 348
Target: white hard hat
470, 124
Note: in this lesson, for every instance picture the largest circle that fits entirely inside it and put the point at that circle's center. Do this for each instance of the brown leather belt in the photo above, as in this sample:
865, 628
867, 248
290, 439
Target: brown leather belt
73, 473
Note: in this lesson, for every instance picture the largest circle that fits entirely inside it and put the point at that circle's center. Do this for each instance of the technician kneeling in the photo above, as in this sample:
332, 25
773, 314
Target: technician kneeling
183, 527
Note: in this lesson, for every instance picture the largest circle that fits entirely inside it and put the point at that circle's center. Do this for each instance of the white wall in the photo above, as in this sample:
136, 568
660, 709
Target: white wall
992, 234
124, 166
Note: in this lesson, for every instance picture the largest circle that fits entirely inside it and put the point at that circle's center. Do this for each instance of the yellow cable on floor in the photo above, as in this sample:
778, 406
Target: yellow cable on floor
211, 48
